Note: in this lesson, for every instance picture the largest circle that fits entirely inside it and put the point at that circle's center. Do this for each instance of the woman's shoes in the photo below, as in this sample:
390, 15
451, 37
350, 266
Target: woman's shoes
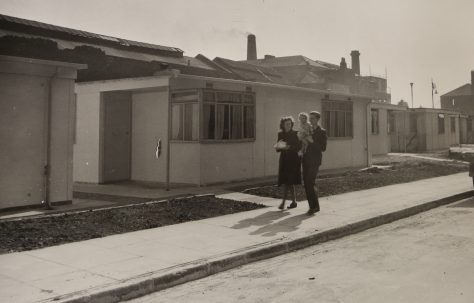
292, 205
282, 205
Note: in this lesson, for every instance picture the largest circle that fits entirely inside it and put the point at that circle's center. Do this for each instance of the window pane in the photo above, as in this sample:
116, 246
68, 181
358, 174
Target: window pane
333, 124
341, 128
349, 124
177, 122
222, 127
249, 131
185, 96
236, 121
226, 97
209, 96
209, 122
191, 119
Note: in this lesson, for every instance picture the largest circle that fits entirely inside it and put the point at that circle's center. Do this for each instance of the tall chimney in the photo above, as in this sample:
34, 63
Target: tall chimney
355, 62
472, 83
251, 47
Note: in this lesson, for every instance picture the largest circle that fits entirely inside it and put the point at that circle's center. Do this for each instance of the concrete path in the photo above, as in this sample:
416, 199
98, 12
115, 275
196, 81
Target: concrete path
424, 258
79, 270
420, 156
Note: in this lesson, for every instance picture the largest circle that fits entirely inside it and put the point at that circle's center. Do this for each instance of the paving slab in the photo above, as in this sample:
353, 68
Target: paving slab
123, 266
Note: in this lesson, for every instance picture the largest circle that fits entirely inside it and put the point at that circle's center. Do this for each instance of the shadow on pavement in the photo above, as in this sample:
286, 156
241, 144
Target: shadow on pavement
261, 220
466, 203
284, 226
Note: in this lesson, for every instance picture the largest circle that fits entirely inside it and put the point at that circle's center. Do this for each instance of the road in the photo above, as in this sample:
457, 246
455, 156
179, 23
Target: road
425, 258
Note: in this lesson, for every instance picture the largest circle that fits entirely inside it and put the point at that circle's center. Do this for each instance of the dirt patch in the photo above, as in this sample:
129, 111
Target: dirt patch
32, 233
395, 170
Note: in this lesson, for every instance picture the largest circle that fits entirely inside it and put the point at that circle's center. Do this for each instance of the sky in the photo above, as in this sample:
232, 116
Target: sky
407, 40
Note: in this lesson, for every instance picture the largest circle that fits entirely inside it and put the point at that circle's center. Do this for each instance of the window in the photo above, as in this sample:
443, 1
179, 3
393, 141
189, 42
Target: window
440, 124
185, 116
413, 123
374, 113
453, 124
337, 118
228, 115
469, 124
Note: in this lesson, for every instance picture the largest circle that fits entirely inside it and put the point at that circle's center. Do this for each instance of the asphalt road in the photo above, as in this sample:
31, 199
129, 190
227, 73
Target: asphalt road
425, 258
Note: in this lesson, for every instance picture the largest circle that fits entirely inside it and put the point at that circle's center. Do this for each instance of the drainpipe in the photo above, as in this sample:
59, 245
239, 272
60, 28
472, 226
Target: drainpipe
367, 135
47, 143
168, 149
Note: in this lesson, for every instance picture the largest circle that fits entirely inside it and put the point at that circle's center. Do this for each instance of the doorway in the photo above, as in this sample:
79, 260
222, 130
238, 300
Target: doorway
116, 137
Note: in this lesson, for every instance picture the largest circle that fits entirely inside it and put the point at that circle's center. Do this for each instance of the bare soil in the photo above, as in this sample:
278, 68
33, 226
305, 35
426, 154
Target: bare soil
33, 233
392, 170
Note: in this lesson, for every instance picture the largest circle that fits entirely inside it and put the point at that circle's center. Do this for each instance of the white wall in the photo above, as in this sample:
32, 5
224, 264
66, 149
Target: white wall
149, 124
185, 162
228, 161
24, 95
87, 146
380, 143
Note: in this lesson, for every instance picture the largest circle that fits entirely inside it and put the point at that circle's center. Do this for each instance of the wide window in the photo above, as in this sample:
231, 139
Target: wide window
453, 124
228, 115
338, 118
375, 121
440, 124
185, 115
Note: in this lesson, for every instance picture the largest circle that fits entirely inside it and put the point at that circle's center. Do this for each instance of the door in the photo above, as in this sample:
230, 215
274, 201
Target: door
22, 141
116, 136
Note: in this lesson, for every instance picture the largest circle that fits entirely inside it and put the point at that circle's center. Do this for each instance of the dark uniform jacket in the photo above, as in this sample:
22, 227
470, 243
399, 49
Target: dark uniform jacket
314, 152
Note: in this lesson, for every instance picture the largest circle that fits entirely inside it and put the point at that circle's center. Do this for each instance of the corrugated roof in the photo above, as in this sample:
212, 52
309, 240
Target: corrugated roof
464, 90
252, 72
291, 61
8, 21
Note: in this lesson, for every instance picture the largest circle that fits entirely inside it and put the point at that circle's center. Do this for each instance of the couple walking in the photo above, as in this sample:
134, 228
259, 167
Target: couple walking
302, 148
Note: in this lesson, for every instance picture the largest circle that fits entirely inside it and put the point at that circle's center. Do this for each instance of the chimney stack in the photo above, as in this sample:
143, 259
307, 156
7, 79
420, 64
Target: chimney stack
343, 64
355, 62
251, 47
472, 83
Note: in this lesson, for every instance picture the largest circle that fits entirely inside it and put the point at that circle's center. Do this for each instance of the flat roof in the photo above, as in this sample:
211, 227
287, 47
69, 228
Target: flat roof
42, 62
177, 74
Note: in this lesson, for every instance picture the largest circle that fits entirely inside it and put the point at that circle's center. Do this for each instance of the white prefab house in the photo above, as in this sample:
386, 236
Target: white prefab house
36, 131
382, 126
198, 130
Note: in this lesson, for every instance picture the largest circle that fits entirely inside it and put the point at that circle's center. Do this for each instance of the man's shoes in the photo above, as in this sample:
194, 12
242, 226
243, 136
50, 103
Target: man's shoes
292, 205
282, 205
312, 211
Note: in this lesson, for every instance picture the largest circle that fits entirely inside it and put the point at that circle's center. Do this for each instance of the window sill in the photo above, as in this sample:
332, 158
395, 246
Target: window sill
340, 138
205, 141
183, 141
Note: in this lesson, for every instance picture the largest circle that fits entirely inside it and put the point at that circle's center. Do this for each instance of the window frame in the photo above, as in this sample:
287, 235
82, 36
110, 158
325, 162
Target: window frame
325, 102
183, 104
242, 104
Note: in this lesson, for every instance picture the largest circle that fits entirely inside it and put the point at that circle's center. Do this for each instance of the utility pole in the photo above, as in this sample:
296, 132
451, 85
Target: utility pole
433, 92
411, 86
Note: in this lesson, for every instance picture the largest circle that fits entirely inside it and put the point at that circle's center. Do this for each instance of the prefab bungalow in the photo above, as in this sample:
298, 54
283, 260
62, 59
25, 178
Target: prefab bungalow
36, 131
382, 125
424, 129
192, 129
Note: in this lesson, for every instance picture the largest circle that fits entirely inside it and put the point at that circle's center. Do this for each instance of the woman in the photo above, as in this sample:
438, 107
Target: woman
289, 170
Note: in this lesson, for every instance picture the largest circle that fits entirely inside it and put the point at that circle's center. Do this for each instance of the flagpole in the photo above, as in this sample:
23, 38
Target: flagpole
432, 93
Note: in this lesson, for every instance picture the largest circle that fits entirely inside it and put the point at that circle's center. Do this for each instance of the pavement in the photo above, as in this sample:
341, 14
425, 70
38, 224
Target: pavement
125, 266
424, 258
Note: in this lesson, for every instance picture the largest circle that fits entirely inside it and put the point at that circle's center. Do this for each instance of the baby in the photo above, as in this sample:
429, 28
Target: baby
304, 132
